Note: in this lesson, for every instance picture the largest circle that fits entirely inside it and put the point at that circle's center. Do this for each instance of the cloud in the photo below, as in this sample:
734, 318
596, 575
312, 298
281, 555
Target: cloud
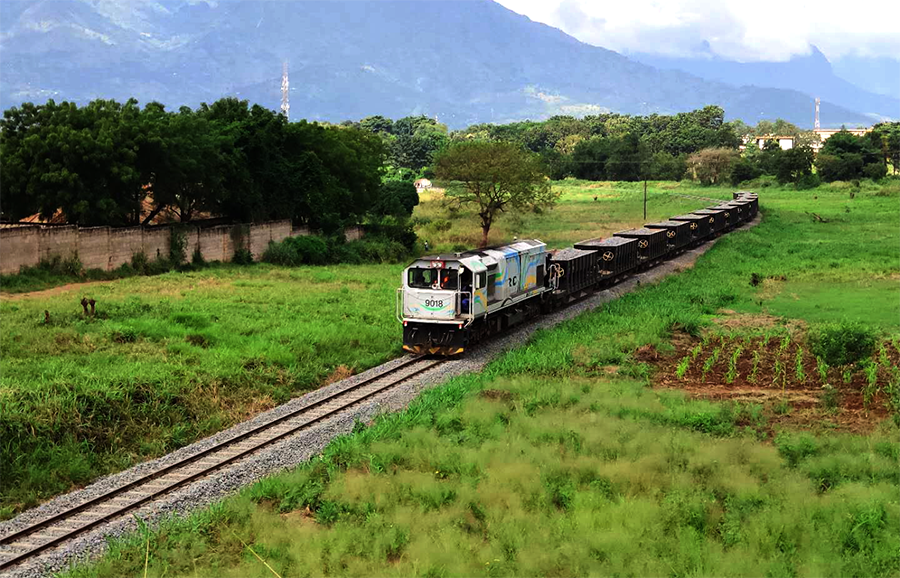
771, 30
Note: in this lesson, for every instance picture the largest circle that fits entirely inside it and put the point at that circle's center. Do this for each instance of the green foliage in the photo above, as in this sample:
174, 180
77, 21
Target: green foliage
495, 177
100, 163
743, 170
177, 246
845, 157
842, 343
378, 247
712, 165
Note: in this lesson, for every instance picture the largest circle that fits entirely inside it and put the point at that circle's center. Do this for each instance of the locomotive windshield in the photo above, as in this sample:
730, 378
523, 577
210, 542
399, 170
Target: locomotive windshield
425, 278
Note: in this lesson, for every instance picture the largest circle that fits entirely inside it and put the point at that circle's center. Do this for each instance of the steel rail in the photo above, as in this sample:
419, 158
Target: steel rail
20, 535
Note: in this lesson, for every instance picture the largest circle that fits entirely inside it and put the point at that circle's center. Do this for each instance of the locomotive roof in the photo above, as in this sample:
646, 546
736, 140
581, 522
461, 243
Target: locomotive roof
481, 252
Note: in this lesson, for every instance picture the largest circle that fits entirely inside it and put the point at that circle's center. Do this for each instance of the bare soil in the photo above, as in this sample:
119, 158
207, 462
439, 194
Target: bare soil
51, 292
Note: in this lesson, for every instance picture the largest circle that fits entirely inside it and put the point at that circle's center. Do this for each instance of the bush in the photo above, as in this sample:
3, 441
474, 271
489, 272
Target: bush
744, 170
875, 171
842, 343
809, 181
242, 256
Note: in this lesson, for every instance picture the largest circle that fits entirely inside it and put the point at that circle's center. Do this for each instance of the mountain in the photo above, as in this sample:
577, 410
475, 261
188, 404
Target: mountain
465, 61
812, 75
880, 75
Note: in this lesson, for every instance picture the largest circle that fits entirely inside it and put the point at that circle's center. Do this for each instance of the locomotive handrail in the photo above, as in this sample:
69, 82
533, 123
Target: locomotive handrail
398, 304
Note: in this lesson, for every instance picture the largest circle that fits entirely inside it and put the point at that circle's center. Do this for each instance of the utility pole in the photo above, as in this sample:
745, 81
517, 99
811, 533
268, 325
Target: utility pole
285, 92
645, 200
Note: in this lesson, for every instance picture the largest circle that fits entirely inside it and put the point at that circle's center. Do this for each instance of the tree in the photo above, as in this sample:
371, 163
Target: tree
712, 165
627, 160
794, 164
665, 167
589, 158
845, 157
744, 169
495, 177
398, 198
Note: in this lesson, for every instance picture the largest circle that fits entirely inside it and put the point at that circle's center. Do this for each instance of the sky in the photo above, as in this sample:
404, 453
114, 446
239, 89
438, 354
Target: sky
743, 30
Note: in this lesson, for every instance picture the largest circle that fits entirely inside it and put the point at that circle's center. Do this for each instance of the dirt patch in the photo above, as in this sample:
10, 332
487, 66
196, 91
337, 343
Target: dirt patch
340, 373
304, 517
646, 353
51, 292
497, 395
730, 319
780, 374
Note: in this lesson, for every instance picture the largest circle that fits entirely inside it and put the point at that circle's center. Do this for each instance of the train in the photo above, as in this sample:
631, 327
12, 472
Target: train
448, 303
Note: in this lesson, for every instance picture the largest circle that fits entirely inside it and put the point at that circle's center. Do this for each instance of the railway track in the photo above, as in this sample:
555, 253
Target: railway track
28, 543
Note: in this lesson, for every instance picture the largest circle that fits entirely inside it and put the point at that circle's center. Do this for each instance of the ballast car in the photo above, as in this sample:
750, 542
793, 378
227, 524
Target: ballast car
449, 302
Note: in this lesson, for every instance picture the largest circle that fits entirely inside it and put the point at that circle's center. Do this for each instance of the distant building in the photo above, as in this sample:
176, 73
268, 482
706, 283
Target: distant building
785, 142
824, 133
422, 185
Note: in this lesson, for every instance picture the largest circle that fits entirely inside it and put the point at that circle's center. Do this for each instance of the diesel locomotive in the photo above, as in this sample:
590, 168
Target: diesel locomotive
449, 302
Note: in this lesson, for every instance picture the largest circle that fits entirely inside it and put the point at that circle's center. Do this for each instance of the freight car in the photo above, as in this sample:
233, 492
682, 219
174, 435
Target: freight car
449, 302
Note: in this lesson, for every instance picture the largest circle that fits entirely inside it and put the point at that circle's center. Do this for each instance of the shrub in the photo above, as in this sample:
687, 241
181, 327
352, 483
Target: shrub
197, 258
875, 171
809, 181
842, 343
744, 170
177, 246
242, 256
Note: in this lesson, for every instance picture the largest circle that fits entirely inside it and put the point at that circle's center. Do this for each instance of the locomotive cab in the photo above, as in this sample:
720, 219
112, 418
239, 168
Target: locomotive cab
439, 300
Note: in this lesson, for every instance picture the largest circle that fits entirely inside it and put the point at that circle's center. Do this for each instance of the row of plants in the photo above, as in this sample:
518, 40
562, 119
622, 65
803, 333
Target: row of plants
831, 357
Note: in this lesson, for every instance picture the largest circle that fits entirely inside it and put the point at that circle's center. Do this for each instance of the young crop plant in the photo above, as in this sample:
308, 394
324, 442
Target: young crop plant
778, 374
710, 362
683, 366
732, 364
822, 368
696, 351
801, 375
847, 375
785, 343
755, 369
871, 370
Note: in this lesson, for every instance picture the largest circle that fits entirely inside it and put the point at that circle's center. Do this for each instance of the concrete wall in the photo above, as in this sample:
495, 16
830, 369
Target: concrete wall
93, 247
123, 244
18, 248
155, 242
106, 248
57, 241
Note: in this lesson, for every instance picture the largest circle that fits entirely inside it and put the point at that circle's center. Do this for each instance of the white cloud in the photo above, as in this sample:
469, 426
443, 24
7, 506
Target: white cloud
735, 29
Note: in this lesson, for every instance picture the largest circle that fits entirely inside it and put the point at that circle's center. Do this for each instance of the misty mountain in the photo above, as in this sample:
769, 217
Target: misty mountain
812, 75
464, 61
880, 75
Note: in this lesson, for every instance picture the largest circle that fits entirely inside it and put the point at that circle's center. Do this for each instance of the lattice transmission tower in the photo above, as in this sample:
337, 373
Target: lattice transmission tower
817, 114
285, 92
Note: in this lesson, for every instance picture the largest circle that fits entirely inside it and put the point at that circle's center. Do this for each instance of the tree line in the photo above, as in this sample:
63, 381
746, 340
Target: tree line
108, 163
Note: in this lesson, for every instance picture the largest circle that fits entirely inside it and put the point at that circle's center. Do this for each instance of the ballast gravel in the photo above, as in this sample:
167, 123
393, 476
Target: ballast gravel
300, 447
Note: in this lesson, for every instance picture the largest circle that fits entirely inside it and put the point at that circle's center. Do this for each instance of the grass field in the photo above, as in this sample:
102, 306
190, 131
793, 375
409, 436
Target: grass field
171, 358
561, 458
586, 210
174, 357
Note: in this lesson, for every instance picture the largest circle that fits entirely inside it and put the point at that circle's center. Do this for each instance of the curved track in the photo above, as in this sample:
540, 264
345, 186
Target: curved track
25, 544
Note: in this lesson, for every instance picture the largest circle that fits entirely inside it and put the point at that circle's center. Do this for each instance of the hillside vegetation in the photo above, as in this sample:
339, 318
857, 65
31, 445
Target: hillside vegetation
563, 458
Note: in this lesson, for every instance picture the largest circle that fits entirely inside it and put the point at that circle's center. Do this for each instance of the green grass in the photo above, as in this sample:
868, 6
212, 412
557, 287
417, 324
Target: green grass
568, 464
619, 205
171, 358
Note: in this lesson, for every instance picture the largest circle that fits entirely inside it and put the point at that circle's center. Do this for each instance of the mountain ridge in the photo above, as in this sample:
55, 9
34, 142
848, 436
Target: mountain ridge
466, 62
